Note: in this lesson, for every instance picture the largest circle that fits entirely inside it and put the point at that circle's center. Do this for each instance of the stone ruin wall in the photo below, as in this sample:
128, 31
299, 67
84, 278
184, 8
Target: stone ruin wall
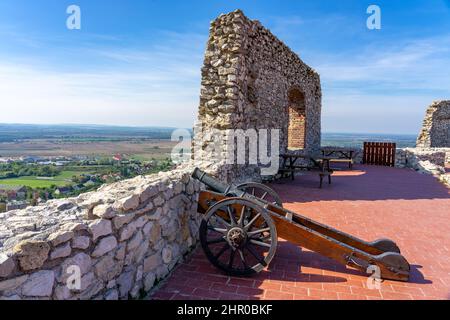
432, 152
436, 126
247, 79
125, 237
129, 235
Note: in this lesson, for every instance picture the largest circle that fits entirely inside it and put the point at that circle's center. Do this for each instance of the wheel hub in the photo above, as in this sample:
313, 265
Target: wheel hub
236, 237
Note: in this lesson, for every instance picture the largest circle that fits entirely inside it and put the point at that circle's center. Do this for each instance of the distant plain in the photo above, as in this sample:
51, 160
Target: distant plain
140, 143
138, 149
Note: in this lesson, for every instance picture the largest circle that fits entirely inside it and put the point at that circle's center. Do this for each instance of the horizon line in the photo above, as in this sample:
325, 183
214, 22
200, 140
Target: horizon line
171, 127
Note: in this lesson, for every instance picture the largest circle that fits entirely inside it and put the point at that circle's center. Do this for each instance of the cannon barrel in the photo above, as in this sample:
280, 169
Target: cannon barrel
216, 185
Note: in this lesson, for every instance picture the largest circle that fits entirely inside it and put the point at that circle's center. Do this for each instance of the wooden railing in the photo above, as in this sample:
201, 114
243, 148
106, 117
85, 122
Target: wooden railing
379, 153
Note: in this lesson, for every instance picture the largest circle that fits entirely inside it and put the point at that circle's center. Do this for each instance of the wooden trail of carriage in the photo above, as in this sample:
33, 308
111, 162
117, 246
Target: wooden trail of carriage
241, 226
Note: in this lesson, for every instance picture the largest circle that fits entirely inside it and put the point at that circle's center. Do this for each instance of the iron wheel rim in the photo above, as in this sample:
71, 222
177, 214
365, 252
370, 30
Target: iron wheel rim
262, 192
254, 232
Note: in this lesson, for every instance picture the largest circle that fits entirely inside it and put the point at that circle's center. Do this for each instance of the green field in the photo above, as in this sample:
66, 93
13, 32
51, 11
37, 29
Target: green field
63, 179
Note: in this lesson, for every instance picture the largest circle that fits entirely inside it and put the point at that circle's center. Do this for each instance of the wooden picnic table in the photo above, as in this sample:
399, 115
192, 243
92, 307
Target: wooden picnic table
340, 155
320, 164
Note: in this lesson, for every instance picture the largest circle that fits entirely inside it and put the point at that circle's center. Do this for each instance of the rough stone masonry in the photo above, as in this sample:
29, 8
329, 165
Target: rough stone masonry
128, 235
436, 126
252, 80
123, 238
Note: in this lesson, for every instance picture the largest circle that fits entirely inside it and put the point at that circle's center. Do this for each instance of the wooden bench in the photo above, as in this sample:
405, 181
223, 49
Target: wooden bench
321, 166
340, 160
340, 155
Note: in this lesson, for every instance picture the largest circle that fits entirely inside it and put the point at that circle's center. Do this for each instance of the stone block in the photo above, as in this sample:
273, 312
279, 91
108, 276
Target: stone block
39, 284
81, 242
12, 284
152, 262
99, 228
108, 268
61, 252
31, 254
104, 246
104, 211
129, 203
120, 220
7, 265
60, 237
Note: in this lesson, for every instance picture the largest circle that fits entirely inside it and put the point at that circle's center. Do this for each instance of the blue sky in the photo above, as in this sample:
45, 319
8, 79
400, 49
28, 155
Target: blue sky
138, 62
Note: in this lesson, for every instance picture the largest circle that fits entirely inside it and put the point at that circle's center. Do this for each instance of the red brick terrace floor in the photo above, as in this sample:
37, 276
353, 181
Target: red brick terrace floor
370, 203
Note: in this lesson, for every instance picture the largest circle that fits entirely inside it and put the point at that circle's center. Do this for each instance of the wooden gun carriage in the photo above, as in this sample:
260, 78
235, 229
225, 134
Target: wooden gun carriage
241, 225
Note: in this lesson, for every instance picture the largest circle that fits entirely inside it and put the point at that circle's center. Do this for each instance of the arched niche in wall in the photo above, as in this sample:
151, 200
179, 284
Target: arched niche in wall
297, 120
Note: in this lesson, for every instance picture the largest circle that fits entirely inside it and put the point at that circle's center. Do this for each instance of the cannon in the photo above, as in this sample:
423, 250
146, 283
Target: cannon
241, 225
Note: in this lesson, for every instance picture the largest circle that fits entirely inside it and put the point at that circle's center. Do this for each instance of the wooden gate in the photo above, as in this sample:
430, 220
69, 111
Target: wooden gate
379, 153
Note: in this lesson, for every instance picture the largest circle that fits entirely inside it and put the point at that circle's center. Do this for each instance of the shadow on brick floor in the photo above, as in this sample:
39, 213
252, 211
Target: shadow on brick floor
363, 183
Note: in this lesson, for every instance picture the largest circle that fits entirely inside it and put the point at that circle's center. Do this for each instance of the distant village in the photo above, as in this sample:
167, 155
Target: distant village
31, 180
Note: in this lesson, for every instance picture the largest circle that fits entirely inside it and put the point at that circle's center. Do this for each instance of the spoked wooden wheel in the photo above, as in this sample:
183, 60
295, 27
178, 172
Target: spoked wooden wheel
238, 236
262, 192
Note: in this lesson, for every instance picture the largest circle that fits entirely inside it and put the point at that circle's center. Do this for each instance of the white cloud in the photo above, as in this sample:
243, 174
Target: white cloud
382, 88
385, 89
412, 65
374, 113
138, 86
29, 95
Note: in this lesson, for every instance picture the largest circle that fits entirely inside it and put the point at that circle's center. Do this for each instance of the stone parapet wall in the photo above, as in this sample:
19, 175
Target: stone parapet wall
123, 238
424, 160
409, 157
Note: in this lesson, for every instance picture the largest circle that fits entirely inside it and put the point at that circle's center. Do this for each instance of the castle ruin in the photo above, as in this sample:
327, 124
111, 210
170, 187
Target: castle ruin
436, 126
122, 238
253, 81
